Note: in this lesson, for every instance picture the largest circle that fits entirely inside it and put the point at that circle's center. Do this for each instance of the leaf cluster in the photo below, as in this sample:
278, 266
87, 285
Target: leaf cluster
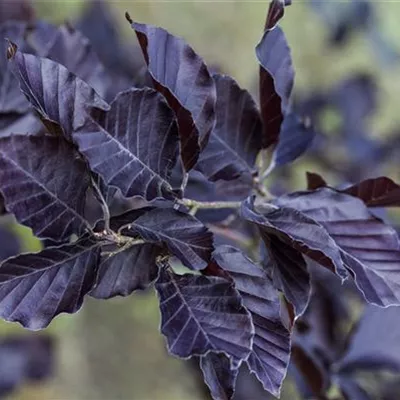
124, 176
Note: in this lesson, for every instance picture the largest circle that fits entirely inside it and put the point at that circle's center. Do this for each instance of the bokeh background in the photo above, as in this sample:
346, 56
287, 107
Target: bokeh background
113, 350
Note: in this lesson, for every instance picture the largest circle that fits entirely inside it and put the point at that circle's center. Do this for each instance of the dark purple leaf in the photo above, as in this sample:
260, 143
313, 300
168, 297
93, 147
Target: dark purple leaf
182, 77
295, 138
276, 12
11, 98
9, 243
321, 328
376, 192
271, 346
219, 376
237, 135
185, 236
35, 288
69, 47
311, 376
288, 270
25, 358
375, 342
276, 81
315, 181
297, 230
202, 314
50, 203
16, 10
134, 145
125, 271
370, 249
61, 99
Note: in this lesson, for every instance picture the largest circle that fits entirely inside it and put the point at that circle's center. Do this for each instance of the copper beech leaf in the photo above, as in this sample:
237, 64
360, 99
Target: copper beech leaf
276, 74
315, 181
59, 97
126, 270
218, 375
289, 225
376, 192
288, 270
184, 235
236, 137
51, 204
67, 46
270, 355
202, 314
35, 288
369, 248
183, 78
134, 145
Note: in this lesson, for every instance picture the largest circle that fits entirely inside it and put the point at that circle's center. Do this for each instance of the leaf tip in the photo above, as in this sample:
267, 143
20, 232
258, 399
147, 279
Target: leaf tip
11, 49
128, 17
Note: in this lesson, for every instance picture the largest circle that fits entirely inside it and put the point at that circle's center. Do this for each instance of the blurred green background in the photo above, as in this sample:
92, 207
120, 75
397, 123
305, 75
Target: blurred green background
112, 350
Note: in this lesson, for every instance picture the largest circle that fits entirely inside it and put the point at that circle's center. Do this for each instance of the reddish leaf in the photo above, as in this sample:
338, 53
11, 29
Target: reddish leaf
276, 75
182, 77
376, 192
315, 181
369, 248
237, 135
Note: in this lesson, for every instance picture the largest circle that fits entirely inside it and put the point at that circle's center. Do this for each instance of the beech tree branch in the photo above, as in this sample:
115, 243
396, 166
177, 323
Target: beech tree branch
209, 204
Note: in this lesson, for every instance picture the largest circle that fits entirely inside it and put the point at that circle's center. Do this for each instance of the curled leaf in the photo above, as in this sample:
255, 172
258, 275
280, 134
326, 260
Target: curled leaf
183, 78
